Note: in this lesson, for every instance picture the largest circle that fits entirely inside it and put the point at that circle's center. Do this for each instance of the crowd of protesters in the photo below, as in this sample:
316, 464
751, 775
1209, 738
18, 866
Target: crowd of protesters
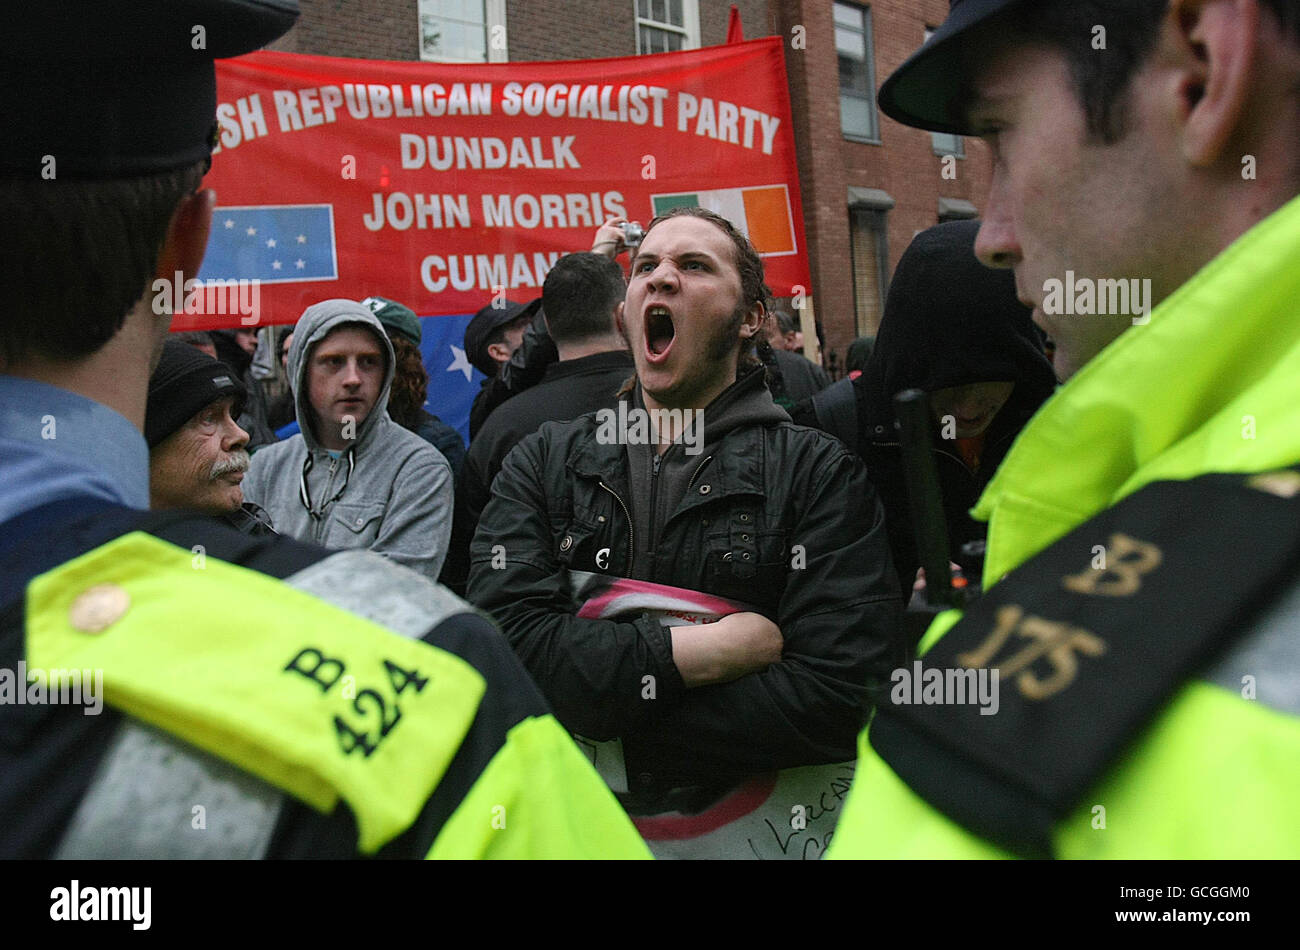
692, 554
595, 547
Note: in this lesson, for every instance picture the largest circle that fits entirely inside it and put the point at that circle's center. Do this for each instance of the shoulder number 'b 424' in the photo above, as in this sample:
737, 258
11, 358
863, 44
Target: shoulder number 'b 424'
369, 709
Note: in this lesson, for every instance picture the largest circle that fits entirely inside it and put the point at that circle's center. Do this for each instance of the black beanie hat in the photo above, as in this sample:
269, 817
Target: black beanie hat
186, 381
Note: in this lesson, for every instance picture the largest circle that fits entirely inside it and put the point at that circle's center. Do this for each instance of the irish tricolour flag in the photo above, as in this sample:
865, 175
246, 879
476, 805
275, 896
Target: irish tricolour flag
761, 213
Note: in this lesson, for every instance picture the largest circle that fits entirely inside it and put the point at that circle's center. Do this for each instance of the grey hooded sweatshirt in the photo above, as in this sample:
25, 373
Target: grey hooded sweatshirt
398, 498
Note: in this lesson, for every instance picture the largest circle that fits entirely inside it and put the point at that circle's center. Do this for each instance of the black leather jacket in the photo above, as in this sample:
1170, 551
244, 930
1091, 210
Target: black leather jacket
778, 516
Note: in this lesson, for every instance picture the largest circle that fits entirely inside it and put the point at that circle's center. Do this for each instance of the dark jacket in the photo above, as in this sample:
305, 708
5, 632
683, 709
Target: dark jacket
948, 321
53, 757
443, 438
528, 363
801, 377
251, 519
569, 389
774, 515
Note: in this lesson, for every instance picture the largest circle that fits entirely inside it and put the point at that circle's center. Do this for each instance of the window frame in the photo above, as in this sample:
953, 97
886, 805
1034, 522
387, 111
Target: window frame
872, 135
689, 30
494, 14
876, 221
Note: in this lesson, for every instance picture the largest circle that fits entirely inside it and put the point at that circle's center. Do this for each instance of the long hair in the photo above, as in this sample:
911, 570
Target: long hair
410, 384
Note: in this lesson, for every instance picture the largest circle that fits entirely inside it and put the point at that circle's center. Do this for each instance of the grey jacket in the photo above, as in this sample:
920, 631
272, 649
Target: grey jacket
398, 498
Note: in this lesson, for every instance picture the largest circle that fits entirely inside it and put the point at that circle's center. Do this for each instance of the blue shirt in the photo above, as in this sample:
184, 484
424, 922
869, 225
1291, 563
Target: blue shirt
56, 444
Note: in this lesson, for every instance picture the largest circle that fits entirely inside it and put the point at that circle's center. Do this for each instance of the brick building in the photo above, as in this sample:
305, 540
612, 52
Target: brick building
868, 183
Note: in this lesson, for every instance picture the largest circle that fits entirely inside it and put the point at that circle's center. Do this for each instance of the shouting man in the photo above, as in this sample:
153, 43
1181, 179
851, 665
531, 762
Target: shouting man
700, 496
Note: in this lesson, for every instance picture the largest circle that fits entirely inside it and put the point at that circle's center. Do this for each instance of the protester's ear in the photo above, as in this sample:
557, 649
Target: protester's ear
187, 236
618, 319
499, 352
1218, 40
753, 322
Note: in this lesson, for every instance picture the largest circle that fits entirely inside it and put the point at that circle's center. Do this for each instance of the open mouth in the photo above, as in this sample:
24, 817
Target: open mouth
659, 332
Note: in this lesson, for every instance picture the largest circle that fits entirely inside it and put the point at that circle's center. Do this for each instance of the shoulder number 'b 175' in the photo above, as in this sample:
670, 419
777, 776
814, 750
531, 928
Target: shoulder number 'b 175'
1116, 572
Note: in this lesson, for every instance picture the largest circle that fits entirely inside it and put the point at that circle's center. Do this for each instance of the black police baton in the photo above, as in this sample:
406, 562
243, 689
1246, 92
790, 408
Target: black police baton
929, 525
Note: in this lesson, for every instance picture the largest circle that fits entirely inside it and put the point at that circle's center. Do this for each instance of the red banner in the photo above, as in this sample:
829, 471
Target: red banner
444, 185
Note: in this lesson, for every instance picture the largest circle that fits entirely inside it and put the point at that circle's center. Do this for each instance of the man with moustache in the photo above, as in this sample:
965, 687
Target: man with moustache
198, 454
353, 708
776, 519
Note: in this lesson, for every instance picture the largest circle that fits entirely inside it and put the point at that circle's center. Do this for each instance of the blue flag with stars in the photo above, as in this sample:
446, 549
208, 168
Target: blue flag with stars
272, 243
453, 382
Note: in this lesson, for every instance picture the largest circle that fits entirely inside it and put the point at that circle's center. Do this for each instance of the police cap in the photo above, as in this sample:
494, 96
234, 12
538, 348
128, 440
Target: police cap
923, 92
117, 88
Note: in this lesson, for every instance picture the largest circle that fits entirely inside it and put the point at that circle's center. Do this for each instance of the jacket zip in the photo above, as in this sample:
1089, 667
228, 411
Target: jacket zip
631, 551
699, 468
654, 494
329, 483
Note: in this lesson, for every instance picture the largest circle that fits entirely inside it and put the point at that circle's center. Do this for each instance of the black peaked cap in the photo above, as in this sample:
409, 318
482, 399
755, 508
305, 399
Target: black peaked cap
118, 88
923, 91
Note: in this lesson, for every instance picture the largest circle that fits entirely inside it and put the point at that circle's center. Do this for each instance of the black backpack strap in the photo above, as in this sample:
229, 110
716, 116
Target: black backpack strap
836, 408
1089, 639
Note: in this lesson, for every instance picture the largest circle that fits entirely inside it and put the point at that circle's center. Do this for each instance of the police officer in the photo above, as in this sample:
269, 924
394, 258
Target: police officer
259, 697
1142, 609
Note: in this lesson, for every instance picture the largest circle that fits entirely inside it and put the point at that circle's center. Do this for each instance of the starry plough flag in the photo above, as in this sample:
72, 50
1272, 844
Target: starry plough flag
272, 243
453, 382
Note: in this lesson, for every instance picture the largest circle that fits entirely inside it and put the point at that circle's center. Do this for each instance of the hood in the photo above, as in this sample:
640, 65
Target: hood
747, 401
950, 321
316, 323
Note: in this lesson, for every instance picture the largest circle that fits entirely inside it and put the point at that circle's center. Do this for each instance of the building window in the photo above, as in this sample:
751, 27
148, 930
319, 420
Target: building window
663, 26
857, 73
945, 143
463, 31
956, 209
870, 251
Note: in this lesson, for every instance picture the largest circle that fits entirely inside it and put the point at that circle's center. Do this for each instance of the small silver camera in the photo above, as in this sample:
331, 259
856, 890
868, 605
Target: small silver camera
632, 233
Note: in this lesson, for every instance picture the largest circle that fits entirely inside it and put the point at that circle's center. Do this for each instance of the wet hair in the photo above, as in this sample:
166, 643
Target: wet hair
748, 264
77, 256
1102, 77
410, 384
579, 297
